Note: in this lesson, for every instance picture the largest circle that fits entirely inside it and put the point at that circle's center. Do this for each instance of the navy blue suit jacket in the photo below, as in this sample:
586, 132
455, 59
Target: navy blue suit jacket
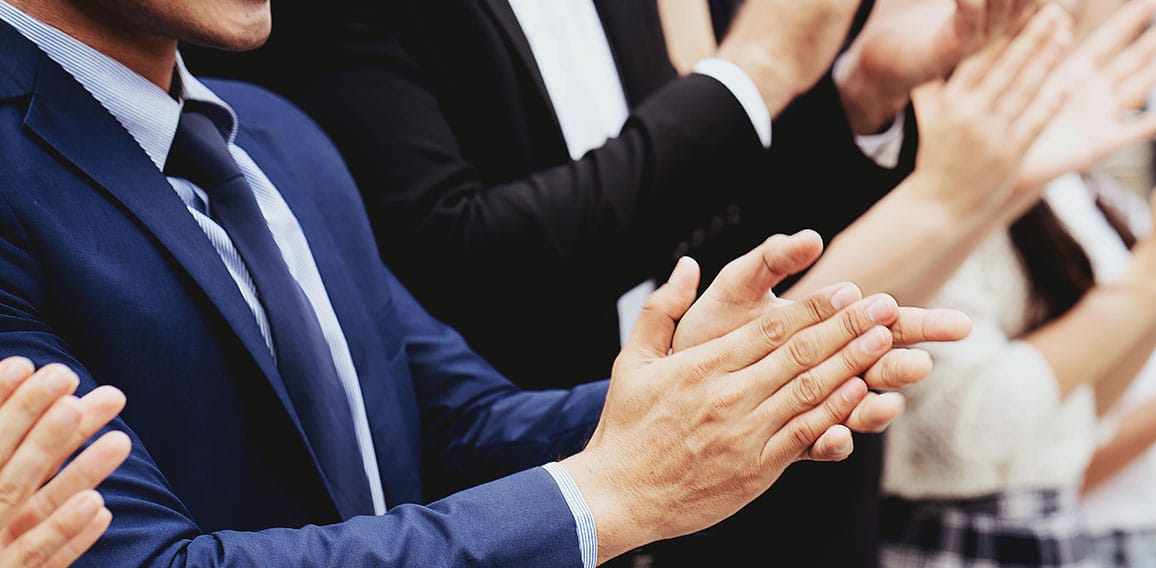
102, 268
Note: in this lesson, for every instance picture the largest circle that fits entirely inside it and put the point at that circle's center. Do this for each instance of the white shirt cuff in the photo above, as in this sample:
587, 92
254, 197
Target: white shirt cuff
583, 518
744, 89
884, 147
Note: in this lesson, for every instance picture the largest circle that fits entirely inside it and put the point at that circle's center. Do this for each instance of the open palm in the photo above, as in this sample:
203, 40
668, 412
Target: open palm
1109, 76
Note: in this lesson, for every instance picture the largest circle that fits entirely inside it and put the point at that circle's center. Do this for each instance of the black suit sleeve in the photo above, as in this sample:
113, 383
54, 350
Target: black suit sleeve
598, 214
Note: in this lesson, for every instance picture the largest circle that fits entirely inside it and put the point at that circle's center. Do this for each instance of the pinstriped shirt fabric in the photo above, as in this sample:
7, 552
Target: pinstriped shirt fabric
583, 518
151, 117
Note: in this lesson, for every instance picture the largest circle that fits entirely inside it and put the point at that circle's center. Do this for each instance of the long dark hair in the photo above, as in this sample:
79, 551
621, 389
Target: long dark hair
1058, 268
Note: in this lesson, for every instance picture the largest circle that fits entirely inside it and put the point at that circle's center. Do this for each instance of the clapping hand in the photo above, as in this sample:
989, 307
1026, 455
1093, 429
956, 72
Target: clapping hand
51, 524
745, 289
688, 436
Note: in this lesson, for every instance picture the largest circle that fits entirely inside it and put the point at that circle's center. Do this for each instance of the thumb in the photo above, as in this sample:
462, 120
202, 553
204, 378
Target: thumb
654, 331
749, 278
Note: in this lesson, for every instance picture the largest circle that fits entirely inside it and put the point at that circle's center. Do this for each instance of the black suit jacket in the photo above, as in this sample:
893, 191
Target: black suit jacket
440, 111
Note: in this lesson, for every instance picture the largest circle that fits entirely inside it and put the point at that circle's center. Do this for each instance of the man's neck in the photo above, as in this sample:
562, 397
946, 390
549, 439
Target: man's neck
150, 55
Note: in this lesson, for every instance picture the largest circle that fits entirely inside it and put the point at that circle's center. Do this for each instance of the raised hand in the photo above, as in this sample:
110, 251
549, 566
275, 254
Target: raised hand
1113, 69
785, 46
977, 126
743, 291
906, 43
51, 525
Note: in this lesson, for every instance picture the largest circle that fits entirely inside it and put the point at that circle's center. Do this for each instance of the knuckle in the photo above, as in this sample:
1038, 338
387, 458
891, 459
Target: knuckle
721, 405
804, 435
32, 556
807, 390
29, 403
853, 323
11, 494
41, 505
884, 374
705, 366
803, 351
834, 411
655, 305
816, 307
773, 329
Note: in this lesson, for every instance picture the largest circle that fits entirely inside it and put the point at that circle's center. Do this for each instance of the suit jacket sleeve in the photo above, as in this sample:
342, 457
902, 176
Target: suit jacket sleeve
519, 520
589, 216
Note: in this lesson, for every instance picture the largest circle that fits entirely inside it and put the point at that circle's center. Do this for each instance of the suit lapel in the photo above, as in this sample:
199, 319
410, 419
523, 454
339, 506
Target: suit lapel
69, 119
507, 21
634, 32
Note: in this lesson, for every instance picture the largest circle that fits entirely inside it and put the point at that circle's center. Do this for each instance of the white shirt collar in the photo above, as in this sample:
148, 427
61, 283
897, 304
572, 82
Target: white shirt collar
148, 113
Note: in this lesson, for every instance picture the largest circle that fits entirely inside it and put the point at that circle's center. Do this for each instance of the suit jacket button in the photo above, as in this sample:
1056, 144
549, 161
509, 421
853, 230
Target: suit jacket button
715, 227
734, 215
697, 238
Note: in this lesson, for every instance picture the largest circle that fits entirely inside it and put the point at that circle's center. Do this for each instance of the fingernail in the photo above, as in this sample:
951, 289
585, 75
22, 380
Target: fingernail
679, 267
881, 309
849, 393
12, 371
842, 449
844, 296
804, 234
57, 380
873, 341
956, 319
89, 503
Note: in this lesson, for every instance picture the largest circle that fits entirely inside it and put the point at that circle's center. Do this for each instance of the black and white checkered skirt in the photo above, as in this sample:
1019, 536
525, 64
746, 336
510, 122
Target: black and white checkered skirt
1017, 529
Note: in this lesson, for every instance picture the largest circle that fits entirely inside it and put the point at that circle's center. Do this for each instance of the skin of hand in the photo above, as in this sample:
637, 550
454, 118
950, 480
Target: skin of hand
744, 289
1089, 14
992, 110
51, 524
1113, 69
975, 129
689, 32
786, 46
906, 43
686, 439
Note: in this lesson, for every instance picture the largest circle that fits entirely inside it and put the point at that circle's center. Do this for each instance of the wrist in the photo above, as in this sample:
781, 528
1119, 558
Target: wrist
869, 105
944, 197
775, 81
618, 518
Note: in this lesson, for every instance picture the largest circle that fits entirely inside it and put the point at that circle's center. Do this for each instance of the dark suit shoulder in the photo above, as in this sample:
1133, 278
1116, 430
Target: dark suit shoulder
274, 128
258, 107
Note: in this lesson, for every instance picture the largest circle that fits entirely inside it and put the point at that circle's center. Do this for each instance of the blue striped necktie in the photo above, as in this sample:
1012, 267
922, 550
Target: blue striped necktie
200, 154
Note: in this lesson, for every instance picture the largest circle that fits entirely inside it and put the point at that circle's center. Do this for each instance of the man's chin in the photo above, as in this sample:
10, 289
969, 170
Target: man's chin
239, 42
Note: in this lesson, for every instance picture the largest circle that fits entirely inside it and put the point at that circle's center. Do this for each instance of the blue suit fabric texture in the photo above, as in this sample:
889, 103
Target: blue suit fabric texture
103, 269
